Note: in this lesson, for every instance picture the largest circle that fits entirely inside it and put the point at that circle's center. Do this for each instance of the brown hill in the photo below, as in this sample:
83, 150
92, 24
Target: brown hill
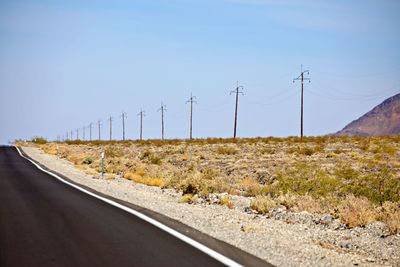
383, 119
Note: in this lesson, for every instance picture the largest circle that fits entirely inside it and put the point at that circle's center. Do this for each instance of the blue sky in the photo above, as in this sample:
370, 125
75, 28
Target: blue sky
64, 64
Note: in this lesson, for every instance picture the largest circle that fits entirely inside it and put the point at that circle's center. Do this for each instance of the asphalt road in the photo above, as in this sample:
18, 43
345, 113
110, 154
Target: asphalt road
44, 222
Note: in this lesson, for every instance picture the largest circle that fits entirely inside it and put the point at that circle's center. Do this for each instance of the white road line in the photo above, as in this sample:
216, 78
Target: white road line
212, 253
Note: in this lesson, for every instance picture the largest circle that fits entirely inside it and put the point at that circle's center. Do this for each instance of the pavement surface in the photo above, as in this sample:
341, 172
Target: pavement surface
44, 222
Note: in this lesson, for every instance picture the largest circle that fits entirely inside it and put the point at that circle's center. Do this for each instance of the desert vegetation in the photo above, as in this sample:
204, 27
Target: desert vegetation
355, 179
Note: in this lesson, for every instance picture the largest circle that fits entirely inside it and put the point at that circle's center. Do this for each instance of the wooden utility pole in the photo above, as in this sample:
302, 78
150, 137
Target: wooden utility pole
236, 92
90, 131
99, 125
162, 109
110, 121
123, 116
141, 114
302, 79
191, 101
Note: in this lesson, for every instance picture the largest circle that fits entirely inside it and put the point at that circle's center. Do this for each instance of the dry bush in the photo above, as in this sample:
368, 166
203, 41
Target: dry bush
263, 204
309, 204
390, 214
251, 187
110, 176
226, 200
91, 172
226, 150
150, 181
355, 211
188, 198
129, 175
51, 151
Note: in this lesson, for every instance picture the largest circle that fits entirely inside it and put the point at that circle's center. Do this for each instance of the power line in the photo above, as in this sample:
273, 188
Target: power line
110, 121
302, 79
99, 127
237, 92
123, 116
141, 114
90, 131
162, 109
191, 101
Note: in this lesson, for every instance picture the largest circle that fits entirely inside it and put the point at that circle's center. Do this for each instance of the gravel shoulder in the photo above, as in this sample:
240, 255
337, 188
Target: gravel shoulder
282, 238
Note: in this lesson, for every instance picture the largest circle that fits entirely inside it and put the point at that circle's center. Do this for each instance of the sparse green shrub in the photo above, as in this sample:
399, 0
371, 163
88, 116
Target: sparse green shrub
87, 160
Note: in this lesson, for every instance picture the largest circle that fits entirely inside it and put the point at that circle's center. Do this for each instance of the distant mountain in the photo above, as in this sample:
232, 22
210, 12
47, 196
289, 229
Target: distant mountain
383, 119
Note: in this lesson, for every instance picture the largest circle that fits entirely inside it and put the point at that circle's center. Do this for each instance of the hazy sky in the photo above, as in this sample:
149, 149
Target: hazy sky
64, 64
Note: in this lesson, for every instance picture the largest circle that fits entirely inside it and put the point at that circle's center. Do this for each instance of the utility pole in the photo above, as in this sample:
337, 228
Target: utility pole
99, 125
124, 115
84, 129
110, 121
302, 79
191, 101
141, 114
90, 131
162, 109
67, 135
237, 92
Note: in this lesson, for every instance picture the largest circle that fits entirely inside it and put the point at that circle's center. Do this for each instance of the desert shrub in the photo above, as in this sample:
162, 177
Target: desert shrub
226, 200
128, 175
146, 154
225, 150
51, 151
88, 160
390, 214
263, 204
150, 157
270, 151
309, 204
39, 140
188, 198
250, 186
155, 160
305, 150
378, 187
113, 151
304, 179
355, 211
147, 180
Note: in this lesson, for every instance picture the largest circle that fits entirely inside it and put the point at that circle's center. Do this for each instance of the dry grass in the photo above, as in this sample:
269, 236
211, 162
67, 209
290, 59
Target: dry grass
263, 204
226, 200
357, 211
188, 198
